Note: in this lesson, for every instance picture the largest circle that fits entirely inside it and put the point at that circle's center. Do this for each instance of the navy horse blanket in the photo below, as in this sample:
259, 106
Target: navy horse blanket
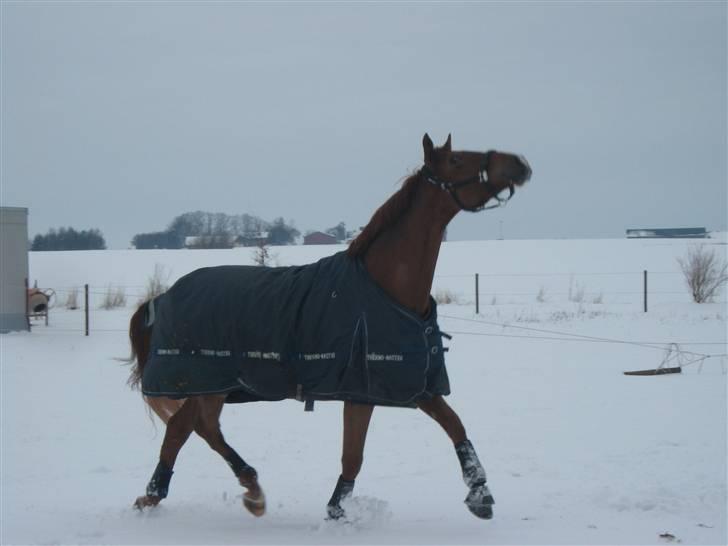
323, 331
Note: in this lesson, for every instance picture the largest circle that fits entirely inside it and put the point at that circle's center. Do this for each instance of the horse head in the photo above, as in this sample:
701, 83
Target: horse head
474, 178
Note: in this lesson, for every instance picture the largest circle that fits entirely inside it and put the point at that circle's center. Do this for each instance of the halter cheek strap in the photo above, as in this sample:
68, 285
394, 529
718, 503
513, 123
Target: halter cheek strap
480, 178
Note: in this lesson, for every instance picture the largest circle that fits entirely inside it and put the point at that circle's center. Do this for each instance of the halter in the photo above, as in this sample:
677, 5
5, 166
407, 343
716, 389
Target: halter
480, 178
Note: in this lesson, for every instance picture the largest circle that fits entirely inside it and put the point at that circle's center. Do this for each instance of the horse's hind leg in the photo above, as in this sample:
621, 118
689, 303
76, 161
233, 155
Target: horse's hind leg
208, 427
179, 428
479, 500
356, 425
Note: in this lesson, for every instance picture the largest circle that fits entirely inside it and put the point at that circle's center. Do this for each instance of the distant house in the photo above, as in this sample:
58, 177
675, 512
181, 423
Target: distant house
252, 239
668, 233
210, 241
318, 238
226, 241
351, 235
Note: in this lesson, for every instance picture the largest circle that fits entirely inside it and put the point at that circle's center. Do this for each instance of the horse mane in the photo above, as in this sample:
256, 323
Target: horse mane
385, 216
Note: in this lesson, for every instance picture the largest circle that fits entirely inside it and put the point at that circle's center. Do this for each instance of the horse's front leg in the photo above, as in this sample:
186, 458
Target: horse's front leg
179, 428
479, 500
356, 425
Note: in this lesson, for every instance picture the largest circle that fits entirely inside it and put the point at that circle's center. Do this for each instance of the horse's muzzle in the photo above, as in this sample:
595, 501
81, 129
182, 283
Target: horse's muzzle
525, 171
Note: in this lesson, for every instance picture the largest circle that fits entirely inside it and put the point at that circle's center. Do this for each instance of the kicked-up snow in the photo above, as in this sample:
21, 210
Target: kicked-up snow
575, 451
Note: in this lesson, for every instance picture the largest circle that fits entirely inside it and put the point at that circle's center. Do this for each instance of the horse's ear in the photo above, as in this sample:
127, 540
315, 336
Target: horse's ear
428, 147
447, 146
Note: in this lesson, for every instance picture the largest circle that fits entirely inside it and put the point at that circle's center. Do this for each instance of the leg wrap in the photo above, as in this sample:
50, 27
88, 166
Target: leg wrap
344, 488
473, 471
159, 484
239, 466
479, 500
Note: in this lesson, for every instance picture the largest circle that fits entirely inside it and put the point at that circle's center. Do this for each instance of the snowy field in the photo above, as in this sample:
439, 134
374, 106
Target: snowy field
576, 452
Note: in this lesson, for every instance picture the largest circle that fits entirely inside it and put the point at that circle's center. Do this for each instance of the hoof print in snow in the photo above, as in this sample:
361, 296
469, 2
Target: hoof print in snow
359, 513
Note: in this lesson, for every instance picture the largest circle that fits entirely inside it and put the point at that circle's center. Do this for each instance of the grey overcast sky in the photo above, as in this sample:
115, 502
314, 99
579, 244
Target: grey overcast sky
122, 115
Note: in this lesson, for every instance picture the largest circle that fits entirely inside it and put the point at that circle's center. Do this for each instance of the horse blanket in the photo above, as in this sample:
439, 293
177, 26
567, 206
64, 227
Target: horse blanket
323, 331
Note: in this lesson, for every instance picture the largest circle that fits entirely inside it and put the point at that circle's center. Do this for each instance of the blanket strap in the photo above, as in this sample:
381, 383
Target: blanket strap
308, 402
149, 315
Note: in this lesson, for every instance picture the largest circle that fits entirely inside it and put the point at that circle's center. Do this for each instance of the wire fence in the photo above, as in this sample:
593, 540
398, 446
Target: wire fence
480, 291
636, 288
93, 303
673, 351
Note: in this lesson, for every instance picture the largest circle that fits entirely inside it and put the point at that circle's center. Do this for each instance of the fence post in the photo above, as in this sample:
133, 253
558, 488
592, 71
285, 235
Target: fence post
27, 304
85, 289
645, 290
477, 295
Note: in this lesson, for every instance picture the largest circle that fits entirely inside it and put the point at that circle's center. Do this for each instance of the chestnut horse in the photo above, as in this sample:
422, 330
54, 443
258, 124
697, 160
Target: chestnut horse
399, 249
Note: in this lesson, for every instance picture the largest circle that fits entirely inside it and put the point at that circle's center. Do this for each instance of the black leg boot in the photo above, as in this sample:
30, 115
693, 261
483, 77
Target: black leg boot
479, 500
343, 490
157, 488
159, 484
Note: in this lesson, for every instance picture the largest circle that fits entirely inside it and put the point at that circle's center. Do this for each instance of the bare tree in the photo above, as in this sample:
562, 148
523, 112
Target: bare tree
72, 298
444, 297
704, 273
261, 254
158, 283
114, 298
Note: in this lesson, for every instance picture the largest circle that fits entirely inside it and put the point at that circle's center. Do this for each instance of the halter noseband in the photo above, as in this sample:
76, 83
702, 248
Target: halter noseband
480, 178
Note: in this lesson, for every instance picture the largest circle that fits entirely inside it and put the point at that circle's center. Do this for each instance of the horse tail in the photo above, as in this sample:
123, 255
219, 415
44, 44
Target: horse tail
140, 336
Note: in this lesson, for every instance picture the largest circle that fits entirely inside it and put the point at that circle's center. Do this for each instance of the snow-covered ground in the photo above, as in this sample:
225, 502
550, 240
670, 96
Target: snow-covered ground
576, 452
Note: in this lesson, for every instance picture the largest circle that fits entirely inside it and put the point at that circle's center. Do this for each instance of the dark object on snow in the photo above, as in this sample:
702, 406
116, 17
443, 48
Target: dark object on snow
657, 371
323, 331
668, 233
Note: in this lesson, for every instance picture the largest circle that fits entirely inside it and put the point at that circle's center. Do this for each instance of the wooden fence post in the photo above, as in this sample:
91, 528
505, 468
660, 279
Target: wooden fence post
85, 289
477, 295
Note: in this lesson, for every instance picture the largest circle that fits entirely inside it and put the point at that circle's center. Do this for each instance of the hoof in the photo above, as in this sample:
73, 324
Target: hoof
253, 498
255, 504
480, 502
335, 512
146, 501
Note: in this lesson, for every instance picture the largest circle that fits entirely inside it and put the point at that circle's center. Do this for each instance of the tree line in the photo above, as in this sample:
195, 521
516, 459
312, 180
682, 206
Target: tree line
200, 229
67, 238
197, 229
